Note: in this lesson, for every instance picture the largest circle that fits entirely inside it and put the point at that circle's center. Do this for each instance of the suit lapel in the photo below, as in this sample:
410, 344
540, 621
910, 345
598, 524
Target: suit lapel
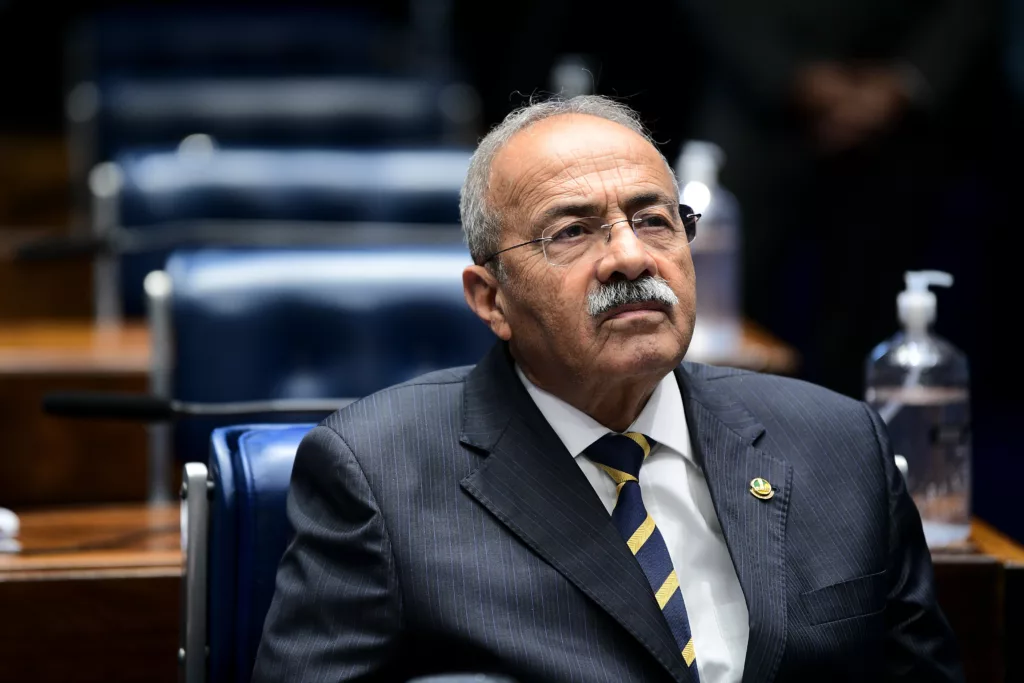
533, 486
723, 432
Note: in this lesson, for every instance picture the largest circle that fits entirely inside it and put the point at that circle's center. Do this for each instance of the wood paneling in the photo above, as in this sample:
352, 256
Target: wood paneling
970, 591
48, 460
36, 200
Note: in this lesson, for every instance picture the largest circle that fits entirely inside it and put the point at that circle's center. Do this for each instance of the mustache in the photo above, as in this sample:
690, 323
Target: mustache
623, 292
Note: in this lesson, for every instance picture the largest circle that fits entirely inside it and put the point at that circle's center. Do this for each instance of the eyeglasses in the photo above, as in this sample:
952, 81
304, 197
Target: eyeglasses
661, 228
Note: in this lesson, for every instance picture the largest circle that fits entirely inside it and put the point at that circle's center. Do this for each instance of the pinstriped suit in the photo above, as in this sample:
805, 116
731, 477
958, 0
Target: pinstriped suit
441, 526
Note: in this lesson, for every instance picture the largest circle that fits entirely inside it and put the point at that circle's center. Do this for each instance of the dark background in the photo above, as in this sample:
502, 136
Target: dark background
827, 238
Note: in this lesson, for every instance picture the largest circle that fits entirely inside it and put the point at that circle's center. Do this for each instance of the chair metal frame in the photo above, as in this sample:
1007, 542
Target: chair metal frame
159, 299
196, 491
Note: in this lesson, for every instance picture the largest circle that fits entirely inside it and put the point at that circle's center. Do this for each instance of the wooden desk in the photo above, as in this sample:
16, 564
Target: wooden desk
93, 596
974, 591
52, 347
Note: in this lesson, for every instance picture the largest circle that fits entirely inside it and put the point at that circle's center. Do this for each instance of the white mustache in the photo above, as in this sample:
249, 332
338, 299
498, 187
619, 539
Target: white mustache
622, 292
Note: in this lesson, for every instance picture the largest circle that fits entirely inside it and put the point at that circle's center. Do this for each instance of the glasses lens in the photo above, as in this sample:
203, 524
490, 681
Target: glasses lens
664, 228
569, 240
660, 227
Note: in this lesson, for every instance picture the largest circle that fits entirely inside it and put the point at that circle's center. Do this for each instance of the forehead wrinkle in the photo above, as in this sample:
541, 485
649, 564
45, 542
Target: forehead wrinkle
556, 171
592, 186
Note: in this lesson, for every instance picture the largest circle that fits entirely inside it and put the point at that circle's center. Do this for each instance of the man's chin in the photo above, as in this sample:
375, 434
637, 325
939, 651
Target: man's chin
641, 355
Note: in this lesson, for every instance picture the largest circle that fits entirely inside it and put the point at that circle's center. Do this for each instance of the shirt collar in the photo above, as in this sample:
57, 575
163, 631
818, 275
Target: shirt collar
662, 419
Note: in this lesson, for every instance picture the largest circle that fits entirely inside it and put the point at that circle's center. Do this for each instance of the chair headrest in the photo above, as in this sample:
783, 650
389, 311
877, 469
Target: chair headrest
382, 185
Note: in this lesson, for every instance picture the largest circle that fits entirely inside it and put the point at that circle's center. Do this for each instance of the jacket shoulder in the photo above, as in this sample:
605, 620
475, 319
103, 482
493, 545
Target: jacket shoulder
421, 400
776, 393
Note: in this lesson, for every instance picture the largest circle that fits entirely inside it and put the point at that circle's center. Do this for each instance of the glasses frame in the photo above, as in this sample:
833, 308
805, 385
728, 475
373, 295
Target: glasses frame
689, 224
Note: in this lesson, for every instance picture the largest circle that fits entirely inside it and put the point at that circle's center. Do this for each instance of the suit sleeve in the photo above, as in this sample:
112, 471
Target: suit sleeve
919, 642
336, 611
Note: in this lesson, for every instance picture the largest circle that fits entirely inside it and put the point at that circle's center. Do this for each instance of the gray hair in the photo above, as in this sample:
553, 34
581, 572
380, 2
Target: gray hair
622, 292
481, 222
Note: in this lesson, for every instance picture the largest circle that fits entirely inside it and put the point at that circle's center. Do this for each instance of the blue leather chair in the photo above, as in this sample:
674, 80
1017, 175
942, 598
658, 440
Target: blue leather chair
249, 325
235, 532
271, 197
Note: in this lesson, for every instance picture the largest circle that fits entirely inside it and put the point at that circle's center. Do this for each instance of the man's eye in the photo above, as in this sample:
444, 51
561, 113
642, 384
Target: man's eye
654, 222
570, 232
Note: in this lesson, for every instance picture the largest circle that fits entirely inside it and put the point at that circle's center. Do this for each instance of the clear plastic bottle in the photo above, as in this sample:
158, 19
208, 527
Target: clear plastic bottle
919, 384
715, 250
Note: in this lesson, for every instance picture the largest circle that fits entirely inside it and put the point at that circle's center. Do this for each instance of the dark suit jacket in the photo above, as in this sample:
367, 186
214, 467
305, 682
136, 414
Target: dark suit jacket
442, 526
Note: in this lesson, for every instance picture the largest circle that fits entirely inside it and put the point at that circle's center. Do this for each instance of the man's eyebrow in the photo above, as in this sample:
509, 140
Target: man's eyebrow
644, 199
579, 209
584, 209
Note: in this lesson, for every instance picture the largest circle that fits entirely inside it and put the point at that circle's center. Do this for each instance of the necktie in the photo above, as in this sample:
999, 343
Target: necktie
620, 456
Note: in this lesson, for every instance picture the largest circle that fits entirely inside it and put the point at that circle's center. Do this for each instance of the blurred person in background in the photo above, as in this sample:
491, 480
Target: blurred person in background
844, 125
645, 57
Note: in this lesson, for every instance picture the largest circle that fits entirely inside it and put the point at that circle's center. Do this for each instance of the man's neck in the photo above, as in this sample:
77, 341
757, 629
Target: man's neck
614, 404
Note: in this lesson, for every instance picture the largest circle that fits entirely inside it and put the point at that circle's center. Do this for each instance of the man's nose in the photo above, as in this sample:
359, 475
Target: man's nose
625, 255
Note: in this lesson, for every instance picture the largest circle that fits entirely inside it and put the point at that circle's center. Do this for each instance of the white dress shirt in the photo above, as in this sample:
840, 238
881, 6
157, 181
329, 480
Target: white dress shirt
676, 495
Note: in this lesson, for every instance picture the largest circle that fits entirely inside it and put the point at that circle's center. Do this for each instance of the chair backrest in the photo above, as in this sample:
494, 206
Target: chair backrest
339, 111
152, 43
283, 197
250, 467
410, 185
289, 324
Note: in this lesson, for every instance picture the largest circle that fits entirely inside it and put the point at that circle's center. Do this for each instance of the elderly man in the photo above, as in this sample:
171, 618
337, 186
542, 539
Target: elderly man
581, 505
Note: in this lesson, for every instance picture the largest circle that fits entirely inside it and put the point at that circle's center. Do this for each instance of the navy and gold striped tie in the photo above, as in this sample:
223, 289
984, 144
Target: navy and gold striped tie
621, 455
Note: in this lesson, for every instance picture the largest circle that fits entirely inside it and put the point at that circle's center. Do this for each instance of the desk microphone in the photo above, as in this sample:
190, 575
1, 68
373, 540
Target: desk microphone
149, 408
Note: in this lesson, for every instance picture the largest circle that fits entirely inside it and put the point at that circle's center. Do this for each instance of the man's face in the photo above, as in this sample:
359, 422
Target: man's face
591, 167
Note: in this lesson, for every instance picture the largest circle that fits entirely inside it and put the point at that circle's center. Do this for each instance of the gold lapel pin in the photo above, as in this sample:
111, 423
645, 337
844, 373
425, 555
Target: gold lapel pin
761, 489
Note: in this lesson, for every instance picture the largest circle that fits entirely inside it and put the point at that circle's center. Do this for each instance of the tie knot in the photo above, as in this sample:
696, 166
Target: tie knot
623, 453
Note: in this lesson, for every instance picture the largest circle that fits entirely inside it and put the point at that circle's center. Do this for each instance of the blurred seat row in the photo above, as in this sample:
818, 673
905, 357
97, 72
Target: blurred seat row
286, 183
276, 193
267, 127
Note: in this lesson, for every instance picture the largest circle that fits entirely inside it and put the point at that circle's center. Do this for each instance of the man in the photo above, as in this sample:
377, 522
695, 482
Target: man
580, 506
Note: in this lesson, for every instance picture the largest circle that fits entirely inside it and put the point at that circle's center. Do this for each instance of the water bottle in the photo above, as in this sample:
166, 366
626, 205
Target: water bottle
919, 384
715, 251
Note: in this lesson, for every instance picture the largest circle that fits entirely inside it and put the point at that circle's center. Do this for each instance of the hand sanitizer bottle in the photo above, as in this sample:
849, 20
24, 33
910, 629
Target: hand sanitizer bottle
715, 251
919, 384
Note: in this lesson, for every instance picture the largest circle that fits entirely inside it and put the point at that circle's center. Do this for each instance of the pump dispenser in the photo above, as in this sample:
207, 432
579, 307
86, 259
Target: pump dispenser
919, 384
916, 304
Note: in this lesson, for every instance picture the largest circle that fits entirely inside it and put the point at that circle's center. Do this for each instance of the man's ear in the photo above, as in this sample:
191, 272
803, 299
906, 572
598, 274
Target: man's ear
481, 290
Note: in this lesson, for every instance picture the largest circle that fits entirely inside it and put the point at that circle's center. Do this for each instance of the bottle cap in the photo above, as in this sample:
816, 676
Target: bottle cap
916, 304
